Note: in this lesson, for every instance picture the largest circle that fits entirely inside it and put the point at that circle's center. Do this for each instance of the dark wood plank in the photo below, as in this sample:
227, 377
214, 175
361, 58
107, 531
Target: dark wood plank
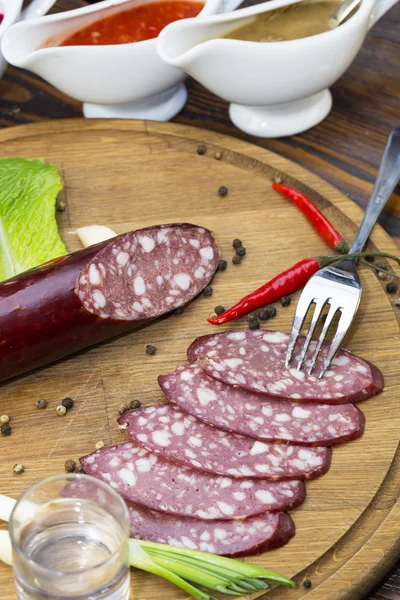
345, 149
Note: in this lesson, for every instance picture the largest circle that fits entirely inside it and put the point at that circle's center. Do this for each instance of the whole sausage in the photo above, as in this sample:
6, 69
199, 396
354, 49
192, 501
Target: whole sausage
92, 295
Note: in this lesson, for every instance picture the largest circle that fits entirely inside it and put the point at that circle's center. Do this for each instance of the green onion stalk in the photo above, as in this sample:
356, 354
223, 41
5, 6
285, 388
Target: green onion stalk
181, 566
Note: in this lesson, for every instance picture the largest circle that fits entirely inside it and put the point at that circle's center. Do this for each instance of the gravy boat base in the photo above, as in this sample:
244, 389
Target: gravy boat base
160, 107
281, 120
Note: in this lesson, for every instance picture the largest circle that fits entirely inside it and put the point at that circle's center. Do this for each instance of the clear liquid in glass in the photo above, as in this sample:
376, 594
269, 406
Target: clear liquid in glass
75, 545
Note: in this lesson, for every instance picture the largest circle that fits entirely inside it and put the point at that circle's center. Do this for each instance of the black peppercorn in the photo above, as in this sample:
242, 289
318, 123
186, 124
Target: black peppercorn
236, 243
241, 251
179, 310
201, 149
70, 466
271, 311
42, 403
219, 310
122, 408
5, 429
253, 322
150, 349
263, 314
286, 300
222, 264
67, 403
135, 404
207, 291
223, 191
370, 258
307, 583
381, 265
391, 287
237, 259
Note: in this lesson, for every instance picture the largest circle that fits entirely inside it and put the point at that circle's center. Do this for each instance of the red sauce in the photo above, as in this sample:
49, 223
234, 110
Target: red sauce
134, 25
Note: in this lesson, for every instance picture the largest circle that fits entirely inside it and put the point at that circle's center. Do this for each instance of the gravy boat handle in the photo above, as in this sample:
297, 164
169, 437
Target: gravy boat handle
380, 8
37, 8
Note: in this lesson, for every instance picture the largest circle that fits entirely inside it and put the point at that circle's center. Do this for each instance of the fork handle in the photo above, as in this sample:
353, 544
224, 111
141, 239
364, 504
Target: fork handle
386, 181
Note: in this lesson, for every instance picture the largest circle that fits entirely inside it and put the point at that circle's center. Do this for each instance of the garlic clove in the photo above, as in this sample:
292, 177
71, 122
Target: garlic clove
94, 234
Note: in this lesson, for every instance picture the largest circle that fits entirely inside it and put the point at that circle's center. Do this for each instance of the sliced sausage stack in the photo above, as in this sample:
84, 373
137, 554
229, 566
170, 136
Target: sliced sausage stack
217, 468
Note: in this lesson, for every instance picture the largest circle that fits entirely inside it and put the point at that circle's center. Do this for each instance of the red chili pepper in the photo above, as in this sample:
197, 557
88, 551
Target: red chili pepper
286, 283
320, 223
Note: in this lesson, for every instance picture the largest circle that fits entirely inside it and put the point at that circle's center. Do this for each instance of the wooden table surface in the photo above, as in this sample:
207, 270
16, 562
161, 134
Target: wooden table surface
345, 149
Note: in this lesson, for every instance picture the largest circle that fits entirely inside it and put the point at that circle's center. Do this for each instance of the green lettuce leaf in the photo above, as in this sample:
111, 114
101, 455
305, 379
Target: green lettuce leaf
28, 228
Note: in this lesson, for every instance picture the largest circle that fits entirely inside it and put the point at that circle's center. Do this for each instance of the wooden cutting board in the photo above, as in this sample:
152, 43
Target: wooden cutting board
131, 174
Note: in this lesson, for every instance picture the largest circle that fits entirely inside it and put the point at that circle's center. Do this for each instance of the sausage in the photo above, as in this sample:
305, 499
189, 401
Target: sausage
147, 479
257, 416
255, 361
224, 538
175, 435
55, 310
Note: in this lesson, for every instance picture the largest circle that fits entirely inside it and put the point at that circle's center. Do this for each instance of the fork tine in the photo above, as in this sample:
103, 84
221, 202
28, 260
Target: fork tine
328, 321
300, 315
319, 307
342, 328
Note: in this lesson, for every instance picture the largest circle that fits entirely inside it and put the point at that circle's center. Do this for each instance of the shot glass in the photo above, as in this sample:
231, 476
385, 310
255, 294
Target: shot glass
69, 535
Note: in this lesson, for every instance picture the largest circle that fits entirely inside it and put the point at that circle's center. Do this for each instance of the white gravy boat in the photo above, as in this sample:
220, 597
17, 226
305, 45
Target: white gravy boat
275, 88
121, 81
11, 9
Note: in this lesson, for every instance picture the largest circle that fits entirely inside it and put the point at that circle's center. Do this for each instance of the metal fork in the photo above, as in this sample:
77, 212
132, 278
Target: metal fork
339, 285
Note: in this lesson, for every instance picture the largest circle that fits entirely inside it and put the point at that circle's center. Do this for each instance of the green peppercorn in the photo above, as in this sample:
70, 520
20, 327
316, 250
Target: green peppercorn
391, 287
19, 468
222, 264
223, 191
5, 429
42, 403
61, 410
135, 404
208, 291
237, 243
67, 403
237, 259
150, 349
286, 300
241, 251
219, 310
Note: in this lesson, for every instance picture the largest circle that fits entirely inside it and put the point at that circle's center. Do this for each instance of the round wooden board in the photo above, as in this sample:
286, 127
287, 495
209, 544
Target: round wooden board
129, 174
